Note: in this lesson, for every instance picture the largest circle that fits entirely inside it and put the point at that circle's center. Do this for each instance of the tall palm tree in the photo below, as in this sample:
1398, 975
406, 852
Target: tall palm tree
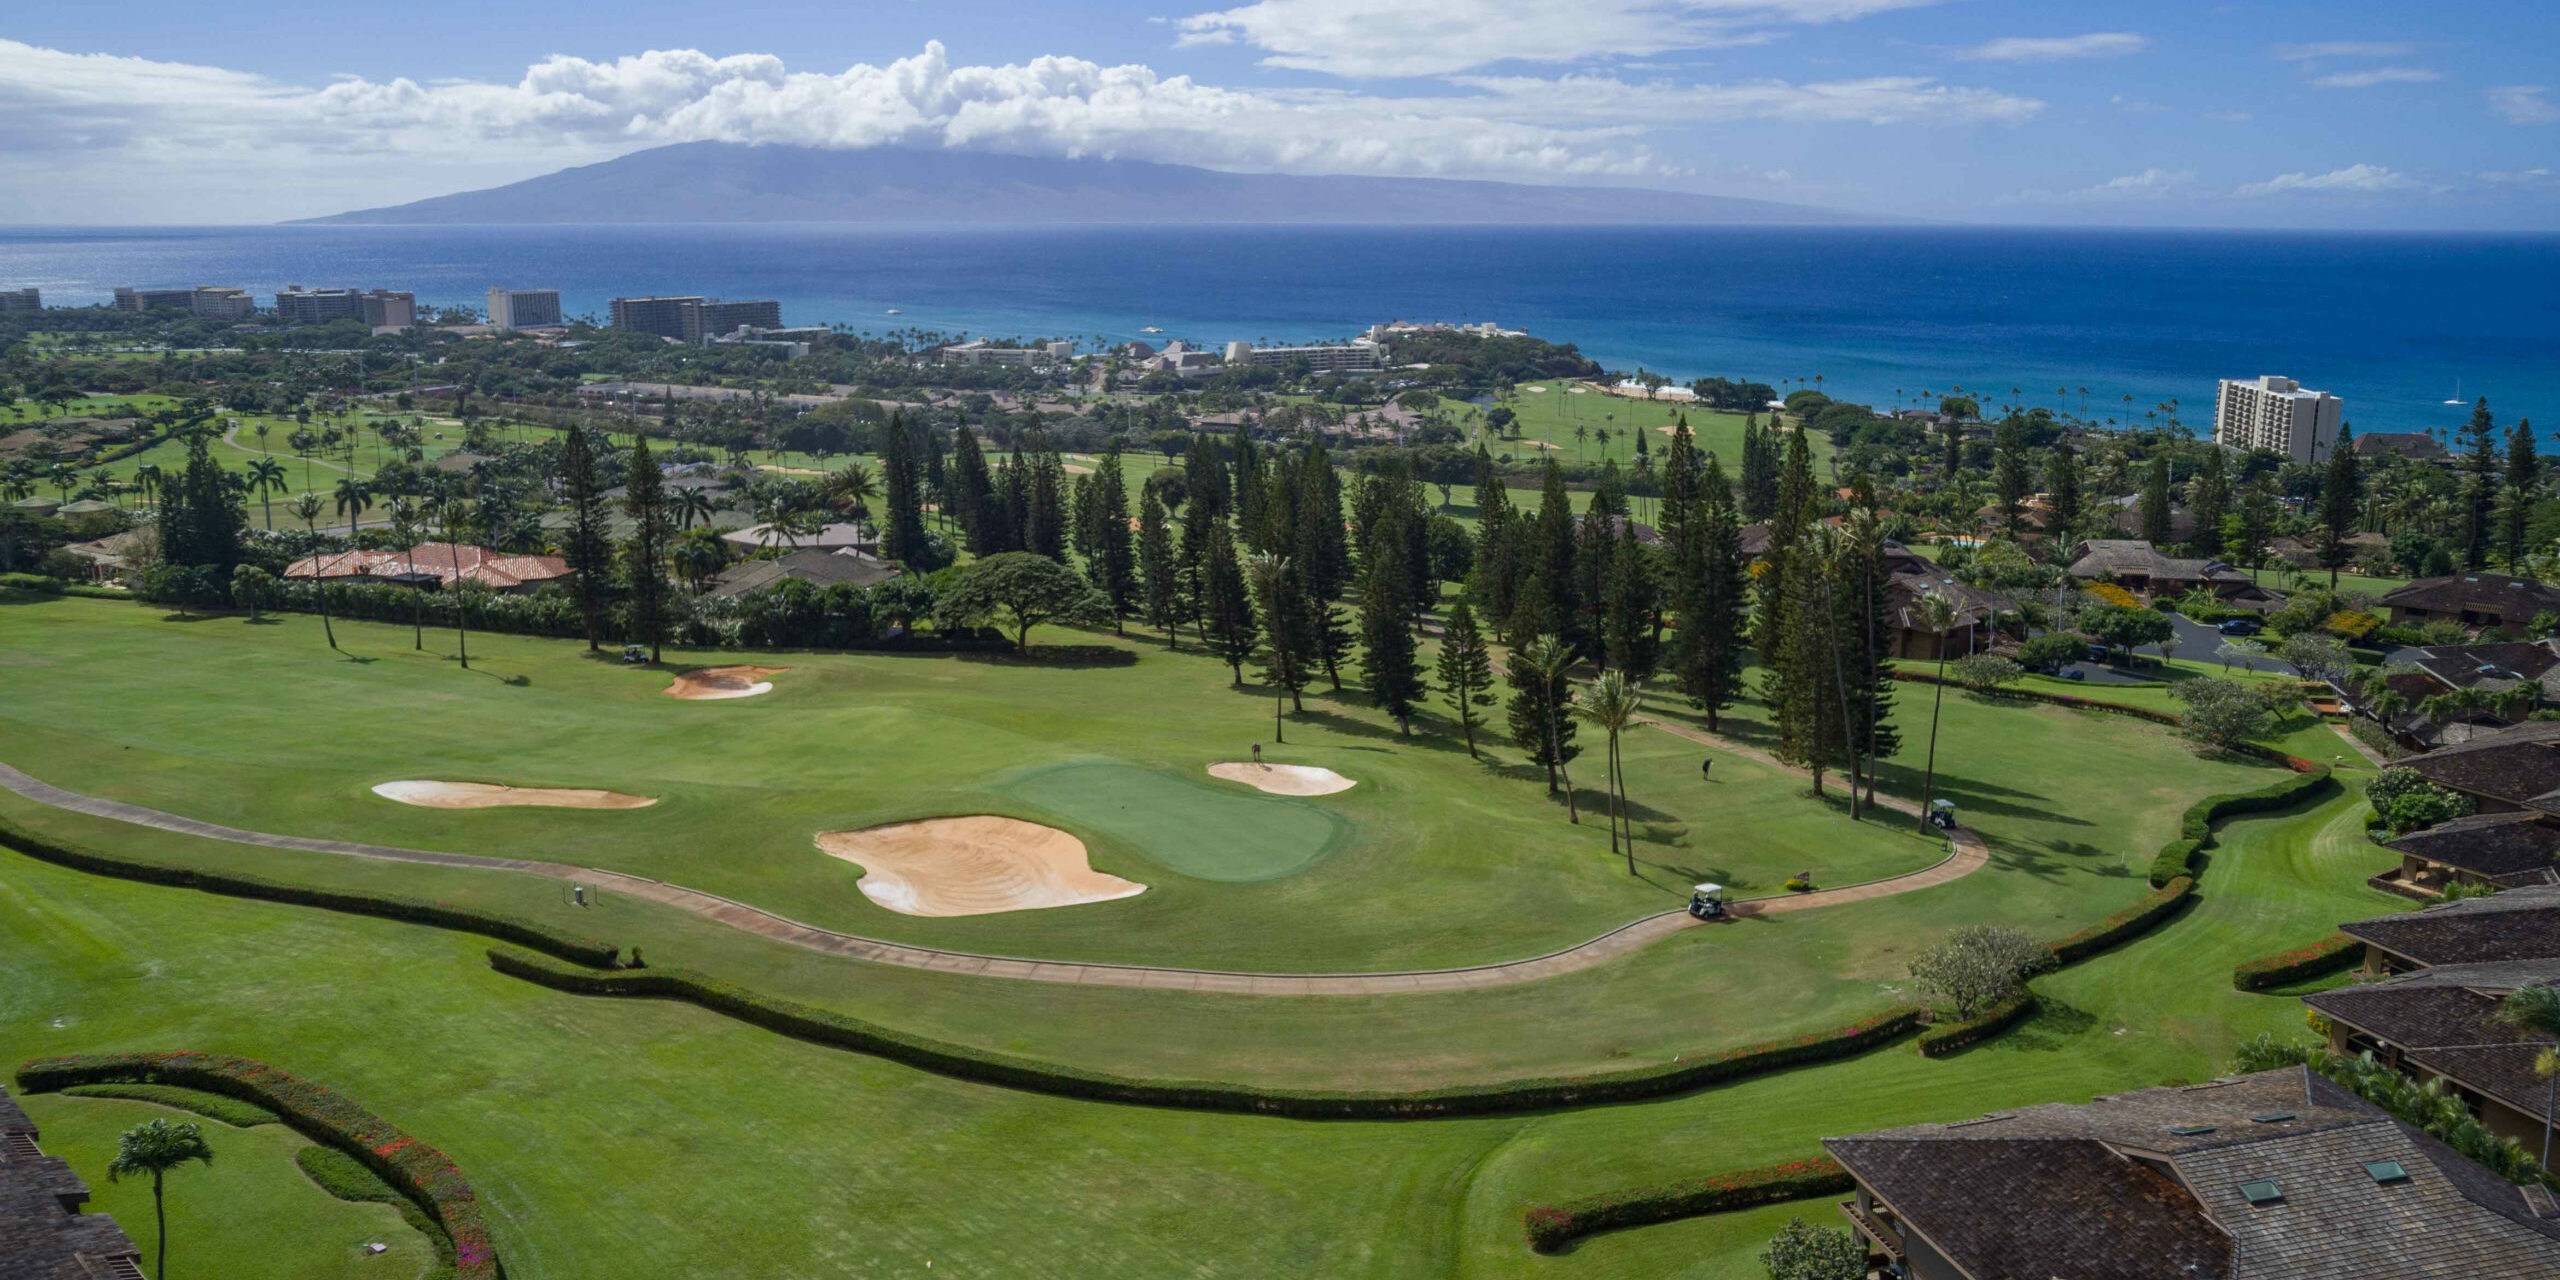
691, 503
354, 497
308, 507
2537, 1009
851, 490
146, 478
155, 1147
404, 528
1266, 571
1551, 658
261, 431
1611, 703
1937, 617
267, 479
458, 516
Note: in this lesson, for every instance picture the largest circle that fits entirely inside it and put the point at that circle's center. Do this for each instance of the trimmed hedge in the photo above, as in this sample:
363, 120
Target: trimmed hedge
443, 915
416, 1170
1948, 1037
230, 1111
2195, 830
1552, 1227
2130, 923
345, 1177
2327, 956
2071, 700
823, 1026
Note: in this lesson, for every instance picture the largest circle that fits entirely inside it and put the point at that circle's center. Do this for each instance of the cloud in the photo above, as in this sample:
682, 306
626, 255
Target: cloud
2366, 179
2524, 104
1442, 37
2103, 44
2342, 49
2378, 75
1881, 100
2150, 184
2518, 177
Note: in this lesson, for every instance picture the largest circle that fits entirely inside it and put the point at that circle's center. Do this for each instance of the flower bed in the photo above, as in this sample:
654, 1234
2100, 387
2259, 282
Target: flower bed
2327, 956
824, 1026
1948, 1037
1552, 1227
319, 1113
445, 915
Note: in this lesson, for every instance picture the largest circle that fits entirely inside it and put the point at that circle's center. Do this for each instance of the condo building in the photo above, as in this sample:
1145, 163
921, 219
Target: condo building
2276, 413
20, 300
1360, 355
389, 308
523, 308
693, 318
297, 305
216, 303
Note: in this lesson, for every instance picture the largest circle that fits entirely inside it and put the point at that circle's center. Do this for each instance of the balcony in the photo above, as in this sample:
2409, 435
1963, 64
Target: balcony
1880, 1238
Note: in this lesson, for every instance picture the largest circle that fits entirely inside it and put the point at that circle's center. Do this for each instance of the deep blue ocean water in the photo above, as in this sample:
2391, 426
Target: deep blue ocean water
2390, 322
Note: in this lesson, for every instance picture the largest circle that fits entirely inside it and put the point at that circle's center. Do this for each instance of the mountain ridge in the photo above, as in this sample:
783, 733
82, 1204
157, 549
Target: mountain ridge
736, 182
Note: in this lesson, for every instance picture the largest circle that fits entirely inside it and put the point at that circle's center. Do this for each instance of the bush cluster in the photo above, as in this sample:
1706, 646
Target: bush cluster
2130, 923
345, 1177
2195, 829
2328, 955
230, 1111
444, 915
1947, 1037
823, 1026
1552, 1227
415, 1169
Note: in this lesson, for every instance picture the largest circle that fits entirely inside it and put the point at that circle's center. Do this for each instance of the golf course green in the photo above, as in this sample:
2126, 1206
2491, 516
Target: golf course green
1186, 826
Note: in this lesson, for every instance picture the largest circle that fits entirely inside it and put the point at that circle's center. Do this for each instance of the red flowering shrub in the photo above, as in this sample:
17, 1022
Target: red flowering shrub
323, 1115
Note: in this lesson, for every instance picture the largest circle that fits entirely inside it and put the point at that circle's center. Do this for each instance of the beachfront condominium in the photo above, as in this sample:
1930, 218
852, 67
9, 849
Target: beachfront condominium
297, 305
388, 308
214, 303
523, 309
20, 300
2276, 413
692, 318
1360, 355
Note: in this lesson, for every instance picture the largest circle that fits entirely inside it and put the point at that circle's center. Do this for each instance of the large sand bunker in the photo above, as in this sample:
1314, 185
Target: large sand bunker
972, 866
490, 795
711, 683
1283, 779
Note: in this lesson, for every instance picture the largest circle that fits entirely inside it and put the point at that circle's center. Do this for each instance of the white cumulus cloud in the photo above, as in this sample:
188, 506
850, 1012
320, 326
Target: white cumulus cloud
1440, 37
2150, 184
2342, 49
2366, 179
2102, 44
2524, 104
2378, 75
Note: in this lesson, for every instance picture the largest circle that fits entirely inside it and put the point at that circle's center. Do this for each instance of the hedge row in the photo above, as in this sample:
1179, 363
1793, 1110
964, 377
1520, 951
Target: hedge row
446, 915
2195, 830
42, 585
2072, 700
415, 1169
823, 1026
346, 1178
2328, 955
1947, 1037
230, 1111
2130, 923
1552, 1227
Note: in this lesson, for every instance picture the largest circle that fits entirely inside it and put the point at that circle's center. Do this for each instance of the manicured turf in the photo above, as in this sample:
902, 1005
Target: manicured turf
1190, 827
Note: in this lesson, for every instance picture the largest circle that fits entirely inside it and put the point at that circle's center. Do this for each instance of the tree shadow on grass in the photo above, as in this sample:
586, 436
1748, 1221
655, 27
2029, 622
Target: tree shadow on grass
2054, 1027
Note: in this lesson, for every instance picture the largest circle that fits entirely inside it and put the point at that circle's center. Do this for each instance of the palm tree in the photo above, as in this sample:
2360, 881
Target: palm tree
146, 478
458, 516
1267, 572
852, 489
308, 507
404, 527
155, 1147
1550, 657
1937, 617
1611, 703
2537, 1010
354, 496
691, 503
261, 431
267, 479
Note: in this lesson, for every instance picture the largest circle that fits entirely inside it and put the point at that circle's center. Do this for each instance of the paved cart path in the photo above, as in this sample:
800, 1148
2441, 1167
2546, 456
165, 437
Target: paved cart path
1966, 855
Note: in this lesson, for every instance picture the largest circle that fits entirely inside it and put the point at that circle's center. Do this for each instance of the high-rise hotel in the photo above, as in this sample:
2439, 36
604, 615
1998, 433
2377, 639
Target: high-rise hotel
2276, 413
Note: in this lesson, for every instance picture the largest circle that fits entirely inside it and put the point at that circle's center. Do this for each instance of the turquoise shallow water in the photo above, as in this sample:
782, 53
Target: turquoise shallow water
2390, 322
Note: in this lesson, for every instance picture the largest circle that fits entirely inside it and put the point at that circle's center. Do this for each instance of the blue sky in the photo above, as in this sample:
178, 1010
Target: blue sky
2356, 113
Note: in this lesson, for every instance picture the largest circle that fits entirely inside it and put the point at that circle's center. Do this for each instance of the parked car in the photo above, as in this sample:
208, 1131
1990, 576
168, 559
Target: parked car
2241, 626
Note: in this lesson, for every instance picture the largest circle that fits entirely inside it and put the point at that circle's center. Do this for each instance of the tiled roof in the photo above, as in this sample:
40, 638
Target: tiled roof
2518, 598
43, 1236
2486, 844
2519, 765
2114, 1188
445, 560
2444, 1019
2520, 924
822, 568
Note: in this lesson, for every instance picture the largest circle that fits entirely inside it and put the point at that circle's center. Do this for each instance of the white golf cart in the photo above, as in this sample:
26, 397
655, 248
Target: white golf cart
1706, 901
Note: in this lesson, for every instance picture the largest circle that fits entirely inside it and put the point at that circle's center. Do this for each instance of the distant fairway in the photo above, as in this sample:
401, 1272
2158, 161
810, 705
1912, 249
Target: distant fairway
1190, 827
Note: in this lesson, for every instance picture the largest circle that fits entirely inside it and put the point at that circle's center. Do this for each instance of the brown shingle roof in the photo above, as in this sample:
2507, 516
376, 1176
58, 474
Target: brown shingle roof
2487, 844
2444, 1019
2519, 924
2512, 598
446, 561
43, 1235
2519, 765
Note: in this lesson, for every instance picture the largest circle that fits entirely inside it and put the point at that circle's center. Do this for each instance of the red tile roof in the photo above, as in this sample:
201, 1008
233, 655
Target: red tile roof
447, 561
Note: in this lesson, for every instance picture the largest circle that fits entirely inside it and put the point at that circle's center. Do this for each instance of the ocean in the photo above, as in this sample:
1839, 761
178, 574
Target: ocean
2396, 324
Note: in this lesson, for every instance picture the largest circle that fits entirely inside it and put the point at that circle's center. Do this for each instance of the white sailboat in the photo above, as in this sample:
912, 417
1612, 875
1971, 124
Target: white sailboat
2457, 393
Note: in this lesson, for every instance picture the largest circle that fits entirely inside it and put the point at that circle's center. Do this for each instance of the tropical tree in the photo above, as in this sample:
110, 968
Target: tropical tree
267, 479
1937, 616
2537, 1010
1611, 703
156, 1147
252, 586
354, 497
460, 516
1023, 589
308, 507
692, 503
851, 489
1539, 720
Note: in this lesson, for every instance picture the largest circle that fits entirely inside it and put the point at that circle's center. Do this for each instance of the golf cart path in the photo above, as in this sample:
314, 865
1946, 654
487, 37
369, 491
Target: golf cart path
1967, 854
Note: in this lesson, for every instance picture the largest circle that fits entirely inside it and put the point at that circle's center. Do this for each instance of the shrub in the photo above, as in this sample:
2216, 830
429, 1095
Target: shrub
1803, 1252
2195, 828
2128, 924
1979, 966
444, 915
346, 1178
825, 1026
416, 1170
1982, 671
1948, 1037
230, 1111
1552, 1227
2114, 595
2221, 713
2425, 808
2052, 649
2328, 955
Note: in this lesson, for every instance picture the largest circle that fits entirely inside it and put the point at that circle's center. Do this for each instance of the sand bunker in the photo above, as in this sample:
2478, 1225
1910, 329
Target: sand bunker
1283, 779
490, 795
712, 683
972, 866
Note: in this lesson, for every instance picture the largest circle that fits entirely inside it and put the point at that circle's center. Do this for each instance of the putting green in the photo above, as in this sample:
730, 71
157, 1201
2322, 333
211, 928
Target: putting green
1190, 827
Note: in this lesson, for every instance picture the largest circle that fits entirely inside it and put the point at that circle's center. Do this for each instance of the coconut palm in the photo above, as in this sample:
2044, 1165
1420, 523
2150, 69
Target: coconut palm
1937, 617
851, 490
267, 479
1611, 703
2537, 1010
308, 507
353, 498
155, 1147
459, 516
691, 503
404, 528
145, 478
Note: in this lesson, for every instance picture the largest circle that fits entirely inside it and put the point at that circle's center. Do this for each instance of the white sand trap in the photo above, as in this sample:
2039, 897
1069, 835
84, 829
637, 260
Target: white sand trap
972, 866
712, 683
1283, 779
490, 795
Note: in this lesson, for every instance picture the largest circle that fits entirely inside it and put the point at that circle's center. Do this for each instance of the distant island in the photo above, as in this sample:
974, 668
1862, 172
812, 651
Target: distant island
734, 182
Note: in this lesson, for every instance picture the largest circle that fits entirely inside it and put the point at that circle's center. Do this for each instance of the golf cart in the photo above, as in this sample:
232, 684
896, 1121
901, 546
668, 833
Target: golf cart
1706, 902
635, 654
1942, 814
